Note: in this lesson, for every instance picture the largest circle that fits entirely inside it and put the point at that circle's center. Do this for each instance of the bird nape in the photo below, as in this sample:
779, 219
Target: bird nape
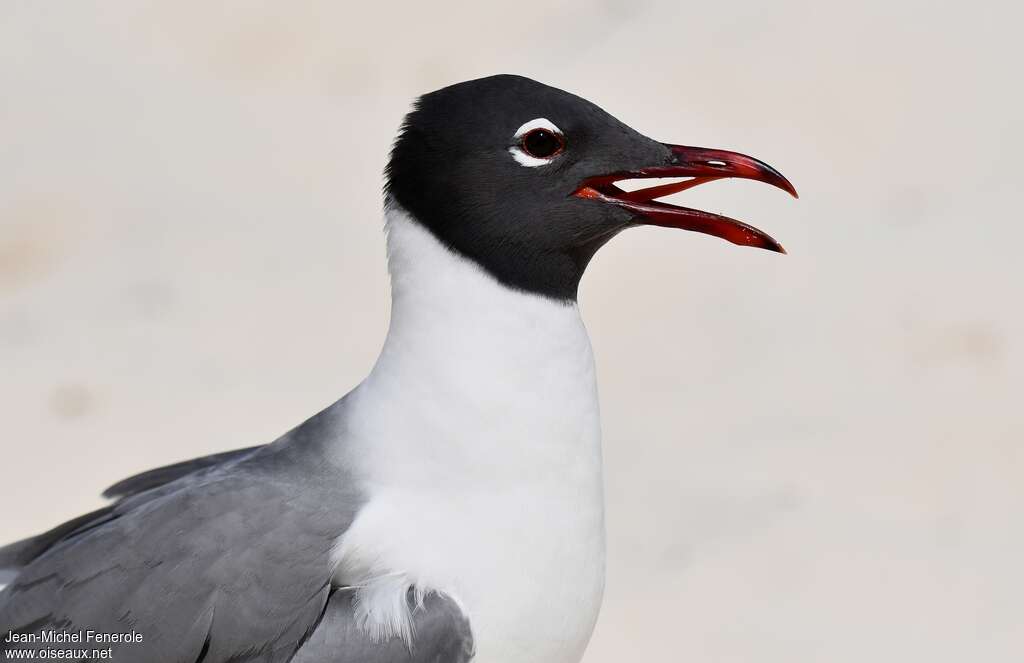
450, 507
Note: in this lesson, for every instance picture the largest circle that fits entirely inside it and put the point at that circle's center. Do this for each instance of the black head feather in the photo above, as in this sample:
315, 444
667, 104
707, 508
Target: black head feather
451, 168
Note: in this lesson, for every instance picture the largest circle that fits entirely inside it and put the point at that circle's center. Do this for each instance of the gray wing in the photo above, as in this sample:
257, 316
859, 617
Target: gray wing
224, 558
231, 561
159, 476
441, 635
20, 553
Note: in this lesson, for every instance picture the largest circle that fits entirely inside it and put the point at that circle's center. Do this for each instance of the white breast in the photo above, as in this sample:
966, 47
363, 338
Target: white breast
477, 440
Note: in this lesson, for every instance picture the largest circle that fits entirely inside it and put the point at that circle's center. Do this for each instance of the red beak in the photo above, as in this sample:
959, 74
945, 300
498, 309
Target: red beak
703, 165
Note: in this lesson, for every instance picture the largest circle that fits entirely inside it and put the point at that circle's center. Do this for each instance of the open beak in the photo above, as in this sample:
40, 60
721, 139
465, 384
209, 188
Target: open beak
702, 165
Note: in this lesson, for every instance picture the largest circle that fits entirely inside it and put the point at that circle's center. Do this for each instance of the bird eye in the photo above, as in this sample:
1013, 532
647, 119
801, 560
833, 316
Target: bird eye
542, 143
537, 142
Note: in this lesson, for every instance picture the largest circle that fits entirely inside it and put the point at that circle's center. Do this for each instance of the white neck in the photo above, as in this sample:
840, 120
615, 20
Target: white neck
477, 439
464, 352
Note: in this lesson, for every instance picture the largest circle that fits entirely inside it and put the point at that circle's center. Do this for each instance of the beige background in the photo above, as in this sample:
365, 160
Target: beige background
809, 458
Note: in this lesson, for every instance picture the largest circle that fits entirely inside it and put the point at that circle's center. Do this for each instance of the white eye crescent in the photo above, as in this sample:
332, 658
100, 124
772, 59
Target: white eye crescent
537, 142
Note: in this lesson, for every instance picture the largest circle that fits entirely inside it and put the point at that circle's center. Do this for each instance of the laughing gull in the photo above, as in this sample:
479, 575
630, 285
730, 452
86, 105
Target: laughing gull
450, 507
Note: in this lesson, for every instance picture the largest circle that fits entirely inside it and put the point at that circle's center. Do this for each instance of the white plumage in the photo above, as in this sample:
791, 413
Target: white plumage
476, 439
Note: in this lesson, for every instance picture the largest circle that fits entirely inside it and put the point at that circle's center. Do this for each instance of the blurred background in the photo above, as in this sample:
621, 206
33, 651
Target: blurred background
808, 457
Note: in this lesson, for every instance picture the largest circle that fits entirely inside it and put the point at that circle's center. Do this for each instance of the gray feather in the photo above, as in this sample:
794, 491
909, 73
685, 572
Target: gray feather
161, 475
441, 635
15, 555
222, 558
18, 554
230, 558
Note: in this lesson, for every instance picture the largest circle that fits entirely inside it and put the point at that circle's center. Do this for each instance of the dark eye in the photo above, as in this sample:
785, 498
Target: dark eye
542, 143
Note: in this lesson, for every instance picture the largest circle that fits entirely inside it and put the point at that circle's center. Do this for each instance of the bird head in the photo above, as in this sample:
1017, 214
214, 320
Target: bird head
521, 178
